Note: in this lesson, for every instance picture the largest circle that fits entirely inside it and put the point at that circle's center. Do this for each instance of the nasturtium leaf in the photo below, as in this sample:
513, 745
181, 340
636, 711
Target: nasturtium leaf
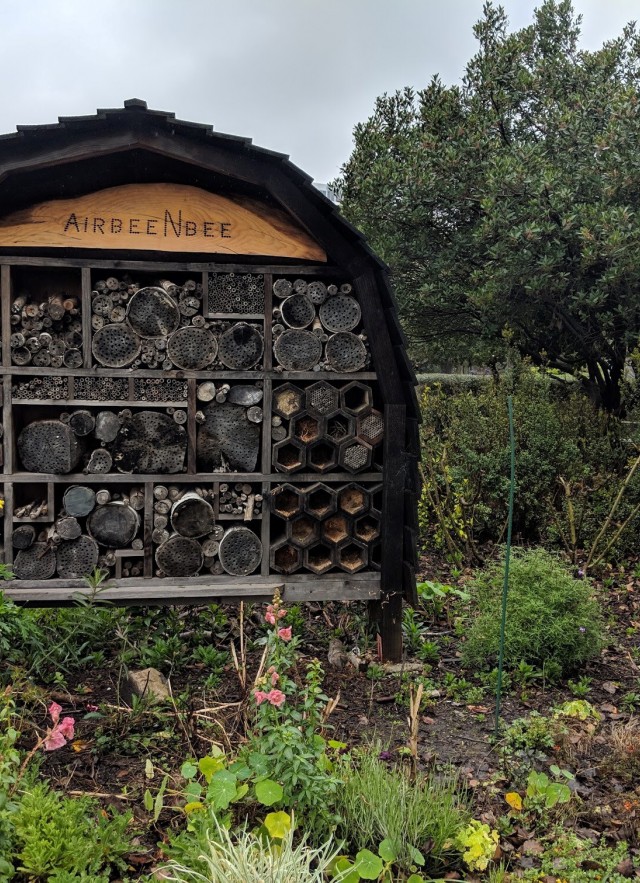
416, 855
368, 865
278, 824
415, 878
259, 763
222, 789
556, 792
241, 792
346, 871
193, 791
209, 765
388, 851
188, 770
336, 746
514, 800
268, 792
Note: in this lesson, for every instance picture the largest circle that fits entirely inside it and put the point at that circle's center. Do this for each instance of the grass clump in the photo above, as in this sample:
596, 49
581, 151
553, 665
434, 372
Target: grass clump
553, 620
247, 858
379, 803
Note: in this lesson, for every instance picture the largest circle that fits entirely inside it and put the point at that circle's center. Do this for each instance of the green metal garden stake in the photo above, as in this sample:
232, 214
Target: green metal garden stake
505, 587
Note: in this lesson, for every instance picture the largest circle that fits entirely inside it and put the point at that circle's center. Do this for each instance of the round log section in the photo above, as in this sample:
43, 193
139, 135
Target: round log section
82, 422
113, 525
191, 348
77, 558
346, 352
24, 536
228, 436
297, 311
107, 426
36, 562
240, 551
192, 516
153, 313
78, 500
179, 556
116, 345
149, 442
240, 347
340, 313
298, 350
49, 446
68, 528
245, 395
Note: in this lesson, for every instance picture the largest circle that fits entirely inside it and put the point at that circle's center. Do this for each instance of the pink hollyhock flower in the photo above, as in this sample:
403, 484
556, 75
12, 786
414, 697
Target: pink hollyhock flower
285, 634
260, 696
276, 697
61, 732
282, 612
275, 677
270, 615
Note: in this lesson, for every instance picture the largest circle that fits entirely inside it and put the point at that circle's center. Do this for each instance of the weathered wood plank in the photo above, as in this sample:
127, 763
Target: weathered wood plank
160, 217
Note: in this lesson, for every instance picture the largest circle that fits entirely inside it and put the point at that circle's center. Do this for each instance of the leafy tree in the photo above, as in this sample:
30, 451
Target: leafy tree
506, 207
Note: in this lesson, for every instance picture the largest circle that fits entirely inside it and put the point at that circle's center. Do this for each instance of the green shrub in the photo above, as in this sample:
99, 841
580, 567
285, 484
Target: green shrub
56, 835
377, 803
552, 618
570, 462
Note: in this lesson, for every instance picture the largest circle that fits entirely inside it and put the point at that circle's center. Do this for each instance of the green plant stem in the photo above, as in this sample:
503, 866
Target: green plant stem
612, 512
505, 588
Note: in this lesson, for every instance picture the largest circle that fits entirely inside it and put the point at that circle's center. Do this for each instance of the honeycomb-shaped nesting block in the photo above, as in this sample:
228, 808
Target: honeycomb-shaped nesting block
367, 527
322, 398
353, 499
340, 427
306, 427
303, 531
370, 427
322, 455
335, 529
285, 557
287, 501
355, 455
352, 556
318, 558
289, 455
320, 500
287, 400
356, 398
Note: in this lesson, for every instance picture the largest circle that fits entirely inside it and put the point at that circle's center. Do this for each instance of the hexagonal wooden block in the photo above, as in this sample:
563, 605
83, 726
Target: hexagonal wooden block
370, 427
340, 426
288, 400
352, 556
322, 398
303, 530
355, 456
306, 428
289, 455
367, 527
320, 500
353, 499
335, 529
318, 558
322, 455
287, 501
356, 398
285, 557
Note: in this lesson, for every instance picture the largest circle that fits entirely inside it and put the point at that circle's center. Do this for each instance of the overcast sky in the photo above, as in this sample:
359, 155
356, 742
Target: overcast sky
293, 75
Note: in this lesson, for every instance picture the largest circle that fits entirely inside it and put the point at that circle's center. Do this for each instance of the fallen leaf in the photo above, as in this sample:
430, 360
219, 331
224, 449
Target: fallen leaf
610, 688
478, 709
514, 800
80, 744
532, 847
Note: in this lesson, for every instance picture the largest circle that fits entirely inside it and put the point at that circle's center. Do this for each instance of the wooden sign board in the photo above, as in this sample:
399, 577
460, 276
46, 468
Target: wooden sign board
160, 217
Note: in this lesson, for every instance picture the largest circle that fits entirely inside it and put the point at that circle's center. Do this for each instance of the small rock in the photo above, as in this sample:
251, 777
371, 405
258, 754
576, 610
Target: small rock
337, 655
148, 682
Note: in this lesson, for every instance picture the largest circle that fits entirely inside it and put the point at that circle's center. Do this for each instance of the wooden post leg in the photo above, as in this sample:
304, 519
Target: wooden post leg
389, 615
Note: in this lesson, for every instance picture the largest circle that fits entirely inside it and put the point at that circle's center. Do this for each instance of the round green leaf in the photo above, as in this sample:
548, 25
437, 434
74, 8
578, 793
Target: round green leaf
222, 789
277, 824
268, 792
346, 872
188, 770
368, 865
388, 851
